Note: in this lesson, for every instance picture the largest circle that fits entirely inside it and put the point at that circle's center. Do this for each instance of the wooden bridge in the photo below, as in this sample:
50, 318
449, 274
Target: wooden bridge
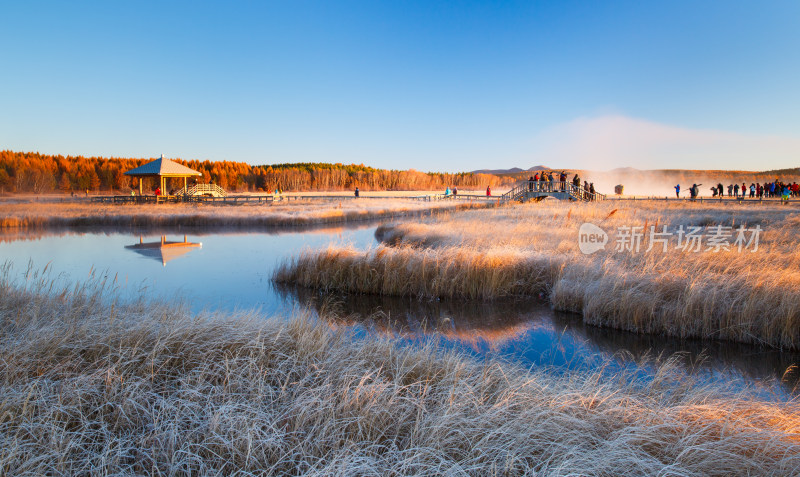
206, 190
537, 190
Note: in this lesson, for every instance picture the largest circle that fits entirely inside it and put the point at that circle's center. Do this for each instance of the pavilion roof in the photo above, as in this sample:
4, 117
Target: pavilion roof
163, 167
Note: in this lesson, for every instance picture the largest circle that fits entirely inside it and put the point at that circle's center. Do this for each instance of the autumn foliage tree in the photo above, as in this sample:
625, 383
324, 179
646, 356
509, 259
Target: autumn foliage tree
40, 173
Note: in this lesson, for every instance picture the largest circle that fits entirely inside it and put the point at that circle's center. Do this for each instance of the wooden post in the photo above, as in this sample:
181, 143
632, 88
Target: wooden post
140, 185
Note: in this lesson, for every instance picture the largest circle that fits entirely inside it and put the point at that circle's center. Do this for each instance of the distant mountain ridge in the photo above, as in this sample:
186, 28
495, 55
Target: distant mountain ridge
513, 170
633, 170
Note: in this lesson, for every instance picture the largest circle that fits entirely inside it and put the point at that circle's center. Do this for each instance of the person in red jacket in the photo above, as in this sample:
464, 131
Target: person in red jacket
488, 191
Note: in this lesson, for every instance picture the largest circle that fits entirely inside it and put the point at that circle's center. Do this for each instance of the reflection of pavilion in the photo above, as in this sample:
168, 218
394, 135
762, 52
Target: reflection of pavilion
163, 251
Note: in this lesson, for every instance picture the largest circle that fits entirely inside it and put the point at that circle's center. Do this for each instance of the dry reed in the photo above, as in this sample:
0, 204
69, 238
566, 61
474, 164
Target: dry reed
89, 386
532, 250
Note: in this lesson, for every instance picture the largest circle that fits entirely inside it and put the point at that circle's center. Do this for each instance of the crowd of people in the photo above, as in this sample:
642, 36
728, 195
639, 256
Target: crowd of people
546, 182
776, 189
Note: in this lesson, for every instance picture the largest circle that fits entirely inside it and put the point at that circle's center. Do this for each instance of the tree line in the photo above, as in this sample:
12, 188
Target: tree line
32, 172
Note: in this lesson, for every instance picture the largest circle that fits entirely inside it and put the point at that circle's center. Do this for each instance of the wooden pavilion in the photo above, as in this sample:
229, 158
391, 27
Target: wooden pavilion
163, 169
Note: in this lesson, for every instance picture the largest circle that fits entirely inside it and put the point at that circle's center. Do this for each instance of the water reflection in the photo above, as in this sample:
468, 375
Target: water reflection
163, 250
32, 235
479, 325
748, 361
529, 332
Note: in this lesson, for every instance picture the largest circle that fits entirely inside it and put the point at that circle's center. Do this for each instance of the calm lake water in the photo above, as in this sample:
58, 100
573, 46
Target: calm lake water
232, 271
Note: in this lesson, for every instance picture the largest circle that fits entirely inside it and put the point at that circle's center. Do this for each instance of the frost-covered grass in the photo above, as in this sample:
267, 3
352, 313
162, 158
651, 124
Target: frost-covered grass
90, 386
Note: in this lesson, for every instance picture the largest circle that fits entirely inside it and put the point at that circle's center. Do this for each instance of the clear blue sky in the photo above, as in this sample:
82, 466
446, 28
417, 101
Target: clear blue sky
427, 85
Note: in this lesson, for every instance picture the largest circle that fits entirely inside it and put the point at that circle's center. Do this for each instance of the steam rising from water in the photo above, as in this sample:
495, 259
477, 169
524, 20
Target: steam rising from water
607, 142
706, 156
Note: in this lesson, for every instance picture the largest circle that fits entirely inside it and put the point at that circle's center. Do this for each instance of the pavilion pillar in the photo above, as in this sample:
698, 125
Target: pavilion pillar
140, 186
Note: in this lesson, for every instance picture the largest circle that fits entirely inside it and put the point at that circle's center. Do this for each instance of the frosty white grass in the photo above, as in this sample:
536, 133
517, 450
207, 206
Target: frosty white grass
93, 387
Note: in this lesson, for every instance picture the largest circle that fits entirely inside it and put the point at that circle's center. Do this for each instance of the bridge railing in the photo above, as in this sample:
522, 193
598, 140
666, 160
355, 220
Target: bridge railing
203, 189
522, 188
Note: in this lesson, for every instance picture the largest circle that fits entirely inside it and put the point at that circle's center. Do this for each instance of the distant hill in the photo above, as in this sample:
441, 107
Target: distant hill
513, 170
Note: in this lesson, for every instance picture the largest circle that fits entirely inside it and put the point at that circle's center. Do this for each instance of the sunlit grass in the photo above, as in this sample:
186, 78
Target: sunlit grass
532, 250
90, 386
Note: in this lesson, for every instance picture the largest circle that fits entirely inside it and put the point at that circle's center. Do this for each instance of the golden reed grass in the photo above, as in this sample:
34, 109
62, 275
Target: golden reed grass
295, 213
532, 250
89, 386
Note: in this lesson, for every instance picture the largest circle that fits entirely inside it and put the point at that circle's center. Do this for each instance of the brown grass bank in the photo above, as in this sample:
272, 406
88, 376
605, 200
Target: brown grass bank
90, 387
67, 215
532, 250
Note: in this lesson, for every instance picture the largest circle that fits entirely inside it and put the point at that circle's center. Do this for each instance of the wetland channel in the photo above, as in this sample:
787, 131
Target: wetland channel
231, 271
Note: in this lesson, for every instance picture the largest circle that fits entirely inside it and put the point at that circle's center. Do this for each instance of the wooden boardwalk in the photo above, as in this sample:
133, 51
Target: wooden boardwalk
173, 199
711, 200
271, 199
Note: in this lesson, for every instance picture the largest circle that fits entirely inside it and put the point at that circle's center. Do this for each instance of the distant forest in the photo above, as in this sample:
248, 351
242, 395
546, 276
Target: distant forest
32, 172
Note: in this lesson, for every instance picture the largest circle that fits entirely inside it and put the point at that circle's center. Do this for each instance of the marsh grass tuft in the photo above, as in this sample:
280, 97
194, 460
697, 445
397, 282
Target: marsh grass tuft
532, 250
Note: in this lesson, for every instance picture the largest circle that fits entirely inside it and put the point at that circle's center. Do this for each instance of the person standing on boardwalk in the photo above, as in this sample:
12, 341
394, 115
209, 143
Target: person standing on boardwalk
678, 191
736, 191
695, 190
721, 190
488, 191
530, 183
356, 191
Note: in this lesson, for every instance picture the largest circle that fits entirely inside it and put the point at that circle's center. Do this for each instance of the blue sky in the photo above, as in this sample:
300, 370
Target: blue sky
446, 86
